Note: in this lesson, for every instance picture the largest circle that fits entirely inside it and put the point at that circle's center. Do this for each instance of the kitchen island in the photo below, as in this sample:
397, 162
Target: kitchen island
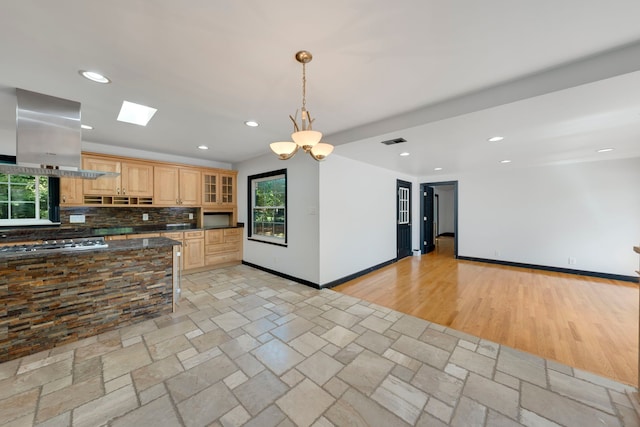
51, 298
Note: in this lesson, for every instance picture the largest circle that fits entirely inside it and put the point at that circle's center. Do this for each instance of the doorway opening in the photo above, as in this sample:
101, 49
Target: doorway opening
439, 211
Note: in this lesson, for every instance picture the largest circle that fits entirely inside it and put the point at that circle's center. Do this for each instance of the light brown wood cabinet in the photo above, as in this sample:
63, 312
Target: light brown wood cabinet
135, 179
106, 186
70, 191
142, 235
219, 188
178, 236
176, 186
193, 249
223, 246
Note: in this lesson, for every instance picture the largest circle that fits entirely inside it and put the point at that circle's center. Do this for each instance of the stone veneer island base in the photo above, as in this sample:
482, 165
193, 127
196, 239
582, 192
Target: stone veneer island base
54, 298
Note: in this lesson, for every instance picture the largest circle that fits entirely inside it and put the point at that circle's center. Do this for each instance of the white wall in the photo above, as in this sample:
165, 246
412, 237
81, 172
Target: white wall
357, 216
446, 211
300, 258
544, 215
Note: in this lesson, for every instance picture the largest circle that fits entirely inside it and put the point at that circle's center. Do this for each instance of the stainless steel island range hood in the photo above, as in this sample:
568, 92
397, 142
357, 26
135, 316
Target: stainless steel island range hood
48, 138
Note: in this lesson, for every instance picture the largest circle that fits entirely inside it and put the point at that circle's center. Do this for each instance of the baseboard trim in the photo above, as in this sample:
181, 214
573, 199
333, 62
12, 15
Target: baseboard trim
358, 274
328, 285
554, 269
284, 276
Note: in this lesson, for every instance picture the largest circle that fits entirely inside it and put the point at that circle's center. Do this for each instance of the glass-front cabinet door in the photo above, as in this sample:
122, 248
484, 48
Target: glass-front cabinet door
227, 187
210, 189
219, 189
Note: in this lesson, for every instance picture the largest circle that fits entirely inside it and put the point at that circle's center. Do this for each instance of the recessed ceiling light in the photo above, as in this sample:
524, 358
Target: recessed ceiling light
437, 169
605, 150
251, 123
203, 147
404, 154
94, 77
495, 138
505, 161
86, 127
136, 114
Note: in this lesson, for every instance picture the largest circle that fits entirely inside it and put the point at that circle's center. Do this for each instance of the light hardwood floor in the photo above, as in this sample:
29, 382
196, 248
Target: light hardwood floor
585, 322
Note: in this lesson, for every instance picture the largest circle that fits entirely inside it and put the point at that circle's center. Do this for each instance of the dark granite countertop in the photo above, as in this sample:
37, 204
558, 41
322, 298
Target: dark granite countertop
62, 233
114, 245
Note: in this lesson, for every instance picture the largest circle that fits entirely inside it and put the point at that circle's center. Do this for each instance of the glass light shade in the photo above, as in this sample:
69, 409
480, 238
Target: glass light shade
306, 138
321, 150
284, 149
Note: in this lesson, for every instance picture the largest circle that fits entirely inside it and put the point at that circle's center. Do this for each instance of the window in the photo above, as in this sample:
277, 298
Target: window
24, 200
268, 207
403, 205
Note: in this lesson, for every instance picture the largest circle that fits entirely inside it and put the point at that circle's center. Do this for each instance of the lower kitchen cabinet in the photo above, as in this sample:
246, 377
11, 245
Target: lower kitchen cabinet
193, 249
223, 246
178, 236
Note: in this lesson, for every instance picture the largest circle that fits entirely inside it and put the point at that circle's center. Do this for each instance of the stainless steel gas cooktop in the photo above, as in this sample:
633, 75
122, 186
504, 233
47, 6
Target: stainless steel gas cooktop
48, 245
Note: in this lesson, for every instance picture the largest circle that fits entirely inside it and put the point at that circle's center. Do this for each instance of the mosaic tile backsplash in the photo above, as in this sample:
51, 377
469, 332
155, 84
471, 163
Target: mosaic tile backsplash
104, 217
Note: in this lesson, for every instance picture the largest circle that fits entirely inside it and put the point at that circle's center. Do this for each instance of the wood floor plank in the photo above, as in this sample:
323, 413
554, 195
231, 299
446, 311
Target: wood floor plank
585, 322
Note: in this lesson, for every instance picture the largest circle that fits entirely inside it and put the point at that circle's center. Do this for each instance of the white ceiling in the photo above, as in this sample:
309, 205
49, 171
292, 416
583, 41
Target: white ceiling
443, 75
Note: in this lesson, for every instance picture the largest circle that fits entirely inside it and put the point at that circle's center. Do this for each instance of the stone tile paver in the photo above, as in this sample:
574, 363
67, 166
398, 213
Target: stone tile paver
248, 348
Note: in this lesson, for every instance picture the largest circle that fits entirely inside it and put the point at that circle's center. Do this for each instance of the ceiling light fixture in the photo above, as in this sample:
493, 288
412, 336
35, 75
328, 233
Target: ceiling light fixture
605, 150
505, 161
404, 154
86, 127
136, 114
437, 169
303, 136
495, 138
203, 147
251, 123
94, 77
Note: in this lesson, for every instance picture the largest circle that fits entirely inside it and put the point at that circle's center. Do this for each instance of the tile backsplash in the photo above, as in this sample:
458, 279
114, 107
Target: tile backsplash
105, 217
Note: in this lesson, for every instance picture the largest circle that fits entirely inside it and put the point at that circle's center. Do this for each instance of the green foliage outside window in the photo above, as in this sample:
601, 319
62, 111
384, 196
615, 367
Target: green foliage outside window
24, 197
268, 210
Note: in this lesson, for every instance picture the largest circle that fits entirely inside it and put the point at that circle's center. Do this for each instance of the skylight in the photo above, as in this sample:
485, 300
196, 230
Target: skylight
136, 114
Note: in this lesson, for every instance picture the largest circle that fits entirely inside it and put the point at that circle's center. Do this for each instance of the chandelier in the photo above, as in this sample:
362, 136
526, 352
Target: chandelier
303, 136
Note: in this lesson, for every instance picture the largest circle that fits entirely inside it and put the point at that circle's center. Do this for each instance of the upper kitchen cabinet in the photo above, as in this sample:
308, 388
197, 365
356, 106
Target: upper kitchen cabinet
176, 186
70, 191
135, 181
219, 188
105, 186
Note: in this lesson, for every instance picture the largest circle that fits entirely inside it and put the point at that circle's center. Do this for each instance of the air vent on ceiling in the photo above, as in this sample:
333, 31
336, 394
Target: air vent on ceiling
394, 141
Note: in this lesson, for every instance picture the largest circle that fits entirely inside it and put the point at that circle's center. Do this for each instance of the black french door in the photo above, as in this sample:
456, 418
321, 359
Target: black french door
403, 216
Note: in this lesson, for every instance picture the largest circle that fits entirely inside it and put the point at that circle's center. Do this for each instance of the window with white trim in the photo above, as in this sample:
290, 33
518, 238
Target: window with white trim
24, 199
268, 207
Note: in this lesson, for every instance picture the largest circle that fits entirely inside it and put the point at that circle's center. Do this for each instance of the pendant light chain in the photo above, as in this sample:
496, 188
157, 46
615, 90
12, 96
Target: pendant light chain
304, 94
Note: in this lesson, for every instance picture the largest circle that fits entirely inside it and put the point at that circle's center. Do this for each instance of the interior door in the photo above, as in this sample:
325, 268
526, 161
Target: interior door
429, 238
403, 219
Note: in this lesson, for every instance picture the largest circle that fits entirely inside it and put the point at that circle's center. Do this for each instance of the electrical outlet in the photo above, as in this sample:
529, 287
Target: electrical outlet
497, 253
572, 260
76, 219
145, 217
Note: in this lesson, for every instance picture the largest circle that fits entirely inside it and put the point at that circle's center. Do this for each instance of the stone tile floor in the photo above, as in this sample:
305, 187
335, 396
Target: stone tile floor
249, 348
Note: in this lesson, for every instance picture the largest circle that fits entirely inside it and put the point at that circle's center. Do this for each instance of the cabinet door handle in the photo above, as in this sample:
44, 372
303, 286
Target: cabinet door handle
118, 190
123, 192
64, 199
177, 202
